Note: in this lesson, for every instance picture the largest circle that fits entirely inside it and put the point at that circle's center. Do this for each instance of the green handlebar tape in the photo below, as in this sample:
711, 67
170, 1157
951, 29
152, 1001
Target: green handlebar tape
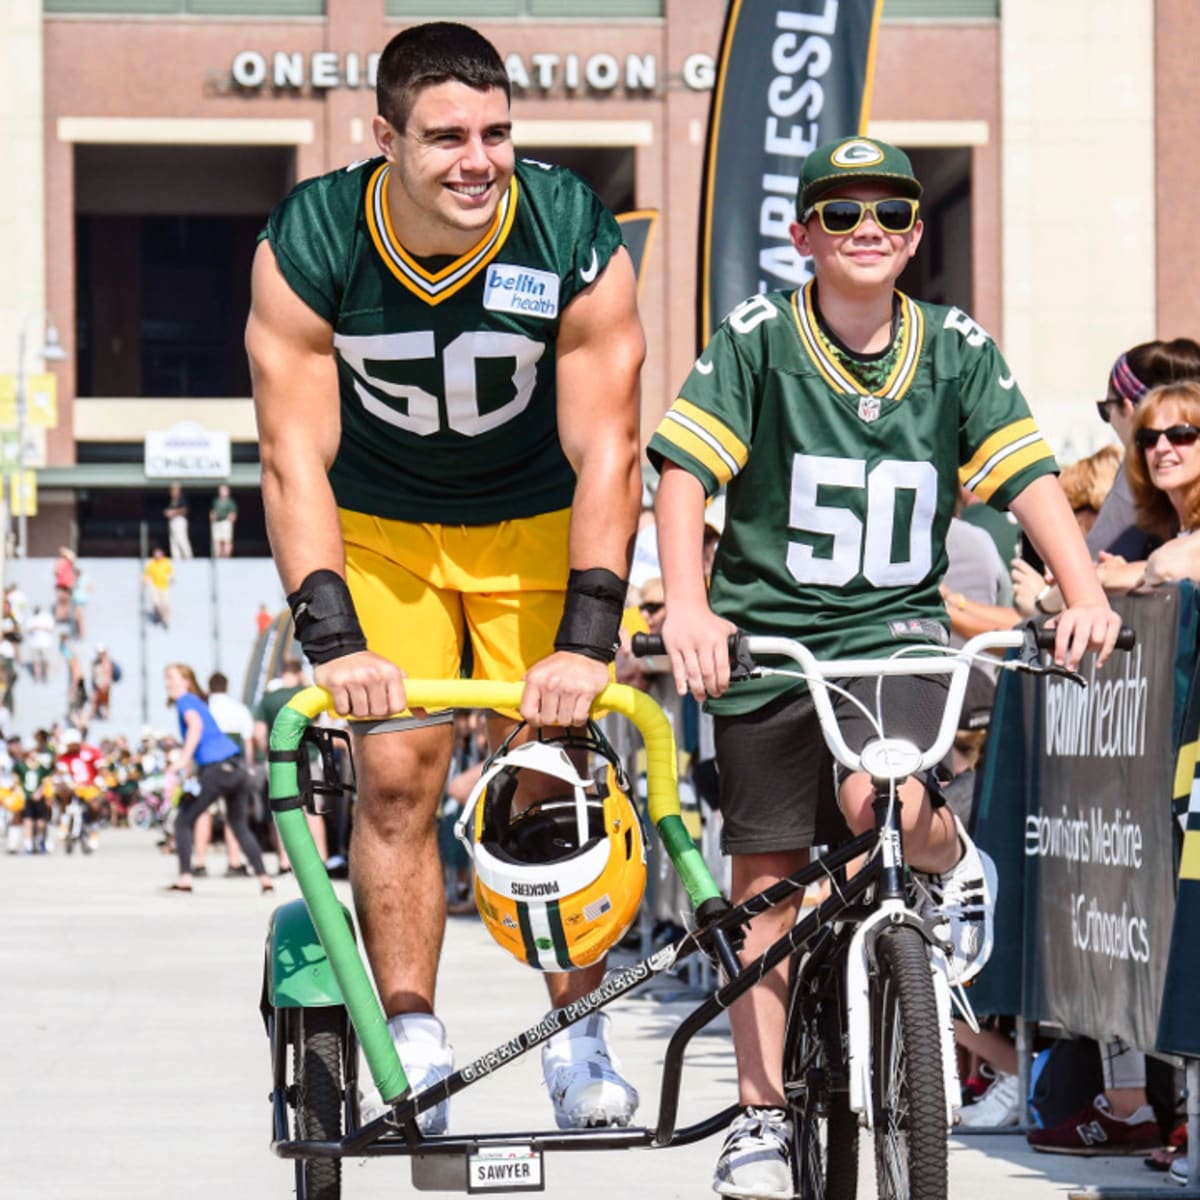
689, 863
336, 939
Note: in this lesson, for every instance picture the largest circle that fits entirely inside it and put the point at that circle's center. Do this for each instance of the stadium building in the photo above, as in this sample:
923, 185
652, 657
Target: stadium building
146, 140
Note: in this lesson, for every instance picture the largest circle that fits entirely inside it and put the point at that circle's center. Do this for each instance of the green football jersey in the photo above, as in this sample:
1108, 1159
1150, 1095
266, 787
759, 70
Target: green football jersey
838, 499
446, 367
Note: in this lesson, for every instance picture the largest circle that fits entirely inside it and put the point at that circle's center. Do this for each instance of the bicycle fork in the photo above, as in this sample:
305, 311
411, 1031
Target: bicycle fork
892, 910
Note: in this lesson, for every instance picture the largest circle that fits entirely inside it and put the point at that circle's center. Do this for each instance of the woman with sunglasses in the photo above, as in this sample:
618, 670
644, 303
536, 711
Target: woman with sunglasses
1145, 366
1116, 540
1164, 477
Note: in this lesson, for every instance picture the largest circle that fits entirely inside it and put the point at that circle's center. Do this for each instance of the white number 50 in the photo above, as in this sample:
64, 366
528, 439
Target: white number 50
860, 546
420, 414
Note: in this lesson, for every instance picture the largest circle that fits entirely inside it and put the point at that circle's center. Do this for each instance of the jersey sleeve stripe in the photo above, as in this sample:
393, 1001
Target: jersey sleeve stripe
994, 444
1006, 463
717, 429
697, 446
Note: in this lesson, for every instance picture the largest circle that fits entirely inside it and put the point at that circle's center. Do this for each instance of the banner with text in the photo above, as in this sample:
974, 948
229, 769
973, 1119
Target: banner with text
1099, 880
790, 76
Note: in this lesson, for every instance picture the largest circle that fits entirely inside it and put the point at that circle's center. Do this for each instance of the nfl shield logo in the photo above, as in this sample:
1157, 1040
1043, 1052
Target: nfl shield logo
868, 408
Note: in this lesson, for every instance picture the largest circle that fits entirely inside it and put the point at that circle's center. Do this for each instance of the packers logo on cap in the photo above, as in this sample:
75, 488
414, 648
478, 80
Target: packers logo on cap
856, 154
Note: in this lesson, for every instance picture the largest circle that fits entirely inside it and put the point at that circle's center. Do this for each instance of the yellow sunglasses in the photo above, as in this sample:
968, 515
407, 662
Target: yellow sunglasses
893, 214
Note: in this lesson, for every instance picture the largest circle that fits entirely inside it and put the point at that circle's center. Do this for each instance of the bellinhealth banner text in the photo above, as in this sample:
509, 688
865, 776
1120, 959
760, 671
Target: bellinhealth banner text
789, 77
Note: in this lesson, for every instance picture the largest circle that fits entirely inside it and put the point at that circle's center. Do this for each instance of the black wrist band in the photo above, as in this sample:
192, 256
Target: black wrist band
591, 620
326, 623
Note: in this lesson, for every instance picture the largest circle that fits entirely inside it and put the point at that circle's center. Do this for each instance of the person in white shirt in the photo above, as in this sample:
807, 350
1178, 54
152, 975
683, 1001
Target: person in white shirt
235, 720
41, 643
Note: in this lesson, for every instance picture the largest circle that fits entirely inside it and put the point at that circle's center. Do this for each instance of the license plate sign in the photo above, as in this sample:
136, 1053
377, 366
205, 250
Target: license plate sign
513, 1167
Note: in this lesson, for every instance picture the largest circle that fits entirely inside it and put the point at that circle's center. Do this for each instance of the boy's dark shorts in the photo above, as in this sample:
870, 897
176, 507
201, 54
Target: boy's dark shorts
778, 776
36, 810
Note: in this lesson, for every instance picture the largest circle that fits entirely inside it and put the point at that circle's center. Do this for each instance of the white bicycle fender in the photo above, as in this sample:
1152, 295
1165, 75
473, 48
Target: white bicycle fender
858, 1004
941, 991
858, 1011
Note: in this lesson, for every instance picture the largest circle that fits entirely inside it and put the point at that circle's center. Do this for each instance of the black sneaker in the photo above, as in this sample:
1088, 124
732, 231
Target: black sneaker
200, 872
241, 870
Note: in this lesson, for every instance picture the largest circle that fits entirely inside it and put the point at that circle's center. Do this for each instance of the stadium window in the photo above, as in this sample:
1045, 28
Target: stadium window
483, 10
941, 10
198, 8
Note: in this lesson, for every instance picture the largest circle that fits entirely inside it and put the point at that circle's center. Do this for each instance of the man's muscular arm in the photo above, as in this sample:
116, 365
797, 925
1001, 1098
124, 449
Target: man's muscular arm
294, 376
600, 352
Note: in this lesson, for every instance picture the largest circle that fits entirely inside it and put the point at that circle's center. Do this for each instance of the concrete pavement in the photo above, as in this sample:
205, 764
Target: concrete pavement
134, 1065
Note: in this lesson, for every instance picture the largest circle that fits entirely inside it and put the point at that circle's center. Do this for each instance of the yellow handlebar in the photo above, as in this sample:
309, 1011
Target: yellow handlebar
651, 721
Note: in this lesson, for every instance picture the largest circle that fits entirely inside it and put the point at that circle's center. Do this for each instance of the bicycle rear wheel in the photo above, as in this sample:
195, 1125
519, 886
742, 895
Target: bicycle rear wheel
824, 1129
911, 1158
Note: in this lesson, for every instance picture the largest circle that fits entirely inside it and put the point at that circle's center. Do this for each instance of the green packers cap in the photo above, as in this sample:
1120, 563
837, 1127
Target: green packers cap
849, 160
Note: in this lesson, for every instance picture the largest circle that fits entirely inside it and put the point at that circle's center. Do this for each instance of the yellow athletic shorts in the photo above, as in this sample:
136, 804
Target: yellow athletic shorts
421, 591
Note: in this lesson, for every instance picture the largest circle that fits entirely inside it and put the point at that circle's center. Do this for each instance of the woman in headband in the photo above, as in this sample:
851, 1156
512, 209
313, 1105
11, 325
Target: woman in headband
1133, 374
1115, 540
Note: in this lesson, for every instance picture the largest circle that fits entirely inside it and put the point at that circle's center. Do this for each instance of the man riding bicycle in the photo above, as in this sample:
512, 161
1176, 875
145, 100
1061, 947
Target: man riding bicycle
445, 352
840, 417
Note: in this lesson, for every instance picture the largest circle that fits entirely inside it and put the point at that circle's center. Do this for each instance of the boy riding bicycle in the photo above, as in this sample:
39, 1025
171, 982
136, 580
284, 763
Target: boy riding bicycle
841, 418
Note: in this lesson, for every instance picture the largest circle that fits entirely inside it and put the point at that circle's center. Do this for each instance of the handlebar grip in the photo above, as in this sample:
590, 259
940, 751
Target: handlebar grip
1126, 639
647, 645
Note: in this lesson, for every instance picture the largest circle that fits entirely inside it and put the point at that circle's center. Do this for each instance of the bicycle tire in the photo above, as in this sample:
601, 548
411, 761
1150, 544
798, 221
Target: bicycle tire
908, 1087
318, 1044
824, 1129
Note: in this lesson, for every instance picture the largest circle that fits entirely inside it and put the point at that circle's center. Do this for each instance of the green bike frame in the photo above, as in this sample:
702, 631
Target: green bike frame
329, 917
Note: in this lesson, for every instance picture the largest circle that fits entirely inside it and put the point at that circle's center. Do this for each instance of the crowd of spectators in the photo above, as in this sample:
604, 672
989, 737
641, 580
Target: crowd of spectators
119, 780
35, 640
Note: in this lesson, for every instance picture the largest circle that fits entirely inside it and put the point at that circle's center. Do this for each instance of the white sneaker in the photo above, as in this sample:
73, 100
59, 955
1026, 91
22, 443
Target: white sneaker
426, 1056
583, 1077
966, 897
998, 1107
756, 1161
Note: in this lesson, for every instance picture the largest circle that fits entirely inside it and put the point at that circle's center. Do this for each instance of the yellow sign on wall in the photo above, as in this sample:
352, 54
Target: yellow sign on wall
41, 400
24, 493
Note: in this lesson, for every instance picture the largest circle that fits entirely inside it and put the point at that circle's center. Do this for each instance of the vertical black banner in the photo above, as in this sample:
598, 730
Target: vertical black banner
1004, 780
1178, 1028
1100, 887
789, 77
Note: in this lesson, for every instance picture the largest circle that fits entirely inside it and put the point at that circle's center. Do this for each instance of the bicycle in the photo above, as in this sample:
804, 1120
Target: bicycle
869, 1039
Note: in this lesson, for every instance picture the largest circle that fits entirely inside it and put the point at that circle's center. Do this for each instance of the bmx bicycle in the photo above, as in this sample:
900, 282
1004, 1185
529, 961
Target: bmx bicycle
869, 1040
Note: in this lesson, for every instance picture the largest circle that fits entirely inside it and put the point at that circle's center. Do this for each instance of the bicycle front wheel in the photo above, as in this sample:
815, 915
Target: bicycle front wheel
911, 1158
